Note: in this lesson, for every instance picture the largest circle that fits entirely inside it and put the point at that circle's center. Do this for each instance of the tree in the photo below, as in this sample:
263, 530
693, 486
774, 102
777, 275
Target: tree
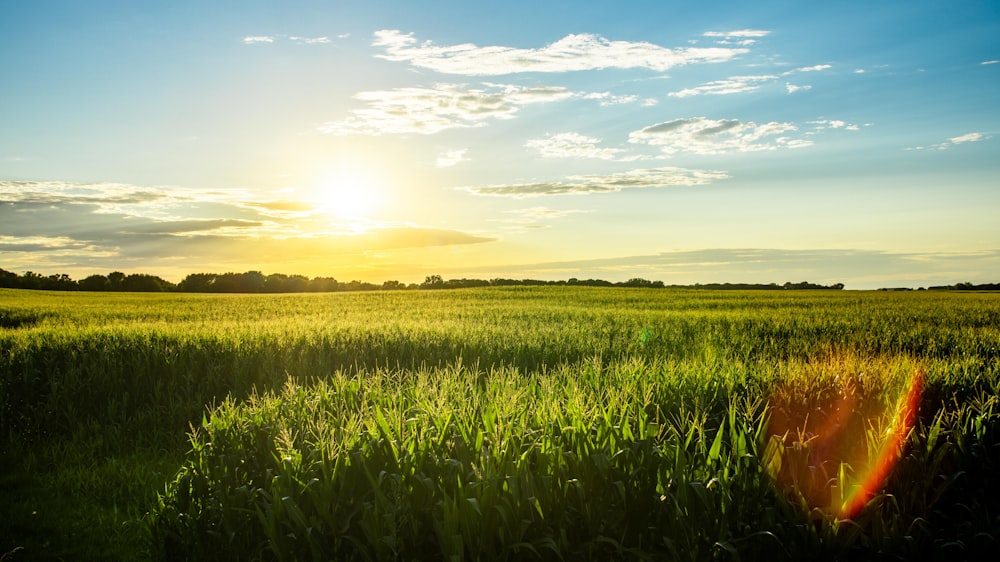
115, 279
432, 282
95, 283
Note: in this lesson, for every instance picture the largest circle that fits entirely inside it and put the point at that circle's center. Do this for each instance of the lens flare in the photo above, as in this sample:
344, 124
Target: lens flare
906, 414
827, 457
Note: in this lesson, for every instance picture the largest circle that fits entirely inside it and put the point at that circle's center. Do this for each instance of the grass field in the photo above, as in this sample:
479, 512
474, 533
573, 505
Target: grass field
500, 424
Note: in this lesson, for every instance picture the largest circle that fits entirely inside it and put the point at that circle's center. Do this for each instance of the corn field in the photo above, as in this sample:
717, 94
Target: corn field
502, 423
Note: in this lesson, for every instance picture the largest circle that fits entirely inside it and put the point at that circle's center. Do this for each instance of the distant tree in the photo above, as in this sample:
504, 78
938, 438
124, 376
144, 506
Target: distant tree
275, 283
116, 279
393, 286
95, 283
197, 283
432, 282
31, 280
9, 279
323, 285
141, 282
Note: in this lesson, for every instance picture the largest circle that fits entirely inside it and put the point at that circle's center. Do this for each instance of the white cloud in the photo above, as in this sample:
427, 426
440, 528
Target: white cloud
740, 84
606, 183
953, 142
255, 39
969, 137
741, 37
574, 145
450, 158
310, 40
571, 53
792, 88
741, 33
607, 99
444, 106
990, 62
815, 68
833, 124
700, 135
731, 85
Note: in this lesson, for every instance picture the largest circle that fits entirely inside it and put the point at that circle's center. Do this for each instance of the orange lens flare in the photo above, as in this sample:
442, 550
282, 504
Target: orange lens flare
820, 453
906, 414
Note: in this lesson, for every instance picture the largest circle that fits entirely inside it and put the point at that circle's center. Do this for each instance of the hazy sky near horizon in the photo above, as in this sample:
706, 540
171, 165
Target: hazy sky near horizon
771, 141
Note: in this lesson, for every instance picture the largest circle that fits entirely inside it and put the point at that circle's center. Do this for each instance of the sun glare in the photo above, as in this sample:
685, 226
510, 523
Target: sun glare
347, 195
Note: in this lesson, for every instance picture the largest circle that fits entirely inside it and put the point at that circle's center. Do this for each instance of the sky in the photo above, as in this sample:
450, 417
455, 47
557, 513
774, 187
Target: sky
687, 142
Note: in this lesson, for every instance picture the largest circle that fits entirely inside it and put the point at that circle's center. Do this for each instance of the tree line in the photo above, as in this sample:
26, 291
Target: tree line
257, 282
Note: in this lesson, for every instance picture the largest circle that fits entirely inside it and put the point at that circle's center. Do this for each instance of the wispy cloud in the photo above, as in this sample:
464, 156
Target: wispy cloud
603, 183
270, 39
731, 85
995, 61
700, 135
953, 142
310, 40
741, 84
792, 88
445, 106
822, 124
450, 158
575, 145
741, 37
607, 99
534, 218
571, 53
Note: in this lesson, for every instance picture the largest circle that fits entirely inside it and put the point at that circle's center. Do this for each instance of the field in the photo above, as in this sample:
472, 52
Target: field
504, 423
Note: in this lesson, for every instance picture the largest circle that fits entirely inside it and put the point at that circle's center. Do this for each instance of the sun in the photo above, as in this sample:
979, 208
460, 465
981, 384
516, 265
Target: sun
347, 195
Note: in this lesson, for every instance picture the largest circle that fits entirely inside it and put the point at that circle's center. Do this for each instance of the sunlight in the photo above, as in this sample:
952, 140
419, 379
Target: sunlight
347, 194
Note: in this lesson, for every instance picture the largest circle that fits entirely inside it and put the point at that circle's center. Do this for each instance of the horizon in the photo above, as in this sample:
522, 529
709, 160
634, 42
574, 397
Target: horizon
773, 142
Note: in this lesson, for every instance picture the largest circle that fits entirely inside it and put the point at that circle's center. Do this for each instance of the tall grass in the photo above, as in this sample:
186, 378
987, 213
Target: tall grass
503, 423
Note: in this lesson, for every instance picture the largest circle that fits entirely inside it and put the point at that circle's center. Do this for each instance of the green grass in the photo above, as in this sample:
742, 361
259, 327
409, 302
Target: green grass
495, 423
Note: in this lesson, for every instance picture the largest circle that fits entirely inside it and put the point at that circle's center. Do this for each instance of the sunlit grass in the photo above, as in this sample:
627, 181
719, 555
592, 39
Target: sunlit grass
499, 423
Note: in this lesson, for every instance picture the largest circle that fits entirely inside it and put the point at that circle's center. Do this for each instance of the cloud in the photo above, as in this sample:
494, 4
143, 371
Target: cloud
114, 226
954, 141
740, 84
968, 137
450, 158
606, 183
607, 99
815, 68
990, 62
531, 218
742, 37
310, 40
731, 85
445, 106
792, 88
269, 39
700, 135
571, 53
574, 145
537, 213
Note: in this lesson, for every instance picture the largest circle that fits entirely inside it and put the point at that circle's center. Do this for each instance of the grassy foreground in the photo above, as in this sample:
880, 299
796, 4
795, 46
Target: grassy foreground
499, 423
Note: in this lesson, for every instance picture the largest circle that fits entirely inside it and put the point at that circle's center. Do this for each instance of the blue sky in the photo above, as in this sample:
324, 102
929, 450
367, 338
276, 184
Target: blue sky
686, 142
